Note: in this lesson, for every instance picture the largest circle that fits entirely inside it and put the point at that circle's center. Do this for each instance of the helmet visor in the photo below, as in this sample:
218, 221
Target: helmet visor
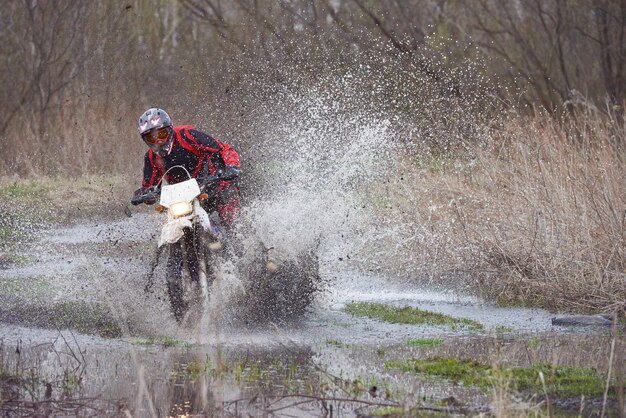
157, 137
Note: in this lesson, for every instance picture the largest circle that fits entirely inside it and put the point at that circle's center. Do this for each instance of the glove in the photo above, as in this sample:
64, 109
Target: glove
150, 199
210, 184
143, 195
229, 173
138, 196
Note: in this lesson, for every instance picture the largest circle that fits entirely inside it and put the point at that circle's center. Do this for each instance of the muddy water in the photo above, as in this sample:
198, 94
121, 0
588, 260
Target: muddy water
159, 368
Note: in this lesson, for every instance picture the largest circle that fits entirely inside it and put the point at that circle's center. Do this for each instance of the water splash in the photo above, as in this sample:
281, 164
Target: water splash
309, 213
316, 162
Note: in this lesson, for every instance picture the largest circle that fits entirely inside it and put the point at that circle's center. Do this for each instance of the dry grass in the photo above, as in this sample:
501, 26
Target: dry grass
62, 199
559, 233
536, 217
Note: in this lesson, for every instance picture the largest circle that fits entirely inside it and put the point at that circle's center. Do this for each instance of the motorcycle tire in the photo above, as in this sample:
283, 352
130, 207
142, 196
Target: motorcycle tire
191, 248
174, 276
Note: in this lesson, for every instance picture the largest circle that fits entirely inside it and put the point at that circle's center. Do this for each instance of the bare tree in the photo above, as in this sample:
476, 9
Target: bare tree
73, 70
555, 46
611, 42
42, 41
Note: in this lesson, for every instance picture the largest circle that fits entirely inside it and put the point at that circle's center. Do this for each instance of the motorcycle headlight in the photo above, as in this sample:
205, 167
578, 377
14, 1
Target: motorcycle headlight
179, 209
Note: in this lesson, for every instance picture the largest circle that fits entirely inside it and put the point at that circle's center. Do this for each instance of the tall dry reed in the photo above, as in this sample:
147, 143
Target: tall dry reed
556, 234
535, 216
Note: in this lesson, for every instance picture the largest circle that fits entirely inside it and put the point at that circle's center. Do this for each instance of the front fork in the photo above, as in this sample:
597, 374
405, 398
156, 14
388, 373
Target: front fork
197, 256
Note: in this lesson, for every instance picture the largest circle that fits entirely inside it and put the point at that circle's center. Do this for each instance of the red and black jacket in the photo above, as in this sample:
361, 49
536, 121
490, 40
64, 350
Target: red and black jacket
192, 149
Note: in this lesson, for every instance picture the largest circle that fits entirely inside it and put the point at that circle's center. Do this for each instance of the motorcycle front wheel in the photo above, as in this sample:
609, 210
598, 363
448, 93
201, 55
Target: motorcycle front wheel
184, 271
174, 276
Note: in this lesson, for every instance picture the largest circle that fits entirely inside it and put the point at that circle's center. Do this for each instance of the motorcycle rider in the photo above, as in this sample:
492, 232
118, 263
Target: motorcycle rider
201, 154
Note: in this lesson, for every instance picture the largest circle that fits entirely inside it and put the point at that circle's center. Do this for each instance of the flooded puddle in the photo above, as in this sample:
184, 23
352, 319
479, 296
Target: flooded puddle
328, 360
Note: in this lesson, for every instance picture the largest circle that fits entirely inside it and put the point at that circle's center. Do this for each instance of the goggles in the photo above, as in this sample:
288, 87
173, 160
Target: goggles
157, 136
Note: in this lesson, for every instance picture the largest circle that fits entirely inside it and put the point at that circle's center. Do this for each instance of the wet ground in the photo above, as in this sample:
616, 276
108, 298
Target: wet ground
326, 361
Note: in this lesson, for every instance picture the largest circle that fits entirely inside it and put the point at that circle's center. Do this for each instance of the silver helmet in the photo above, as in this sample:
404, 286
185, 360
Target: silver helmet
155, 128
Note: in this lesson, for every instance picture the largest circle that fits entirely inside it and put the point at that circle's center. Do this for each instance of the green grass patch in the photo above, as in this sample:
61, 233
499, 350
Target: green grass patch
518, 300
387, 411
165, 341
31, 189
436, 163
12, 258
425, 342
502, 329
90, 318
401, 412
560, 381
533, 343
408, 315
62, 199
85, 317
23, 210
5, 233
381, 202
13, 236
336, 343
170, 342
24, 287
30, 206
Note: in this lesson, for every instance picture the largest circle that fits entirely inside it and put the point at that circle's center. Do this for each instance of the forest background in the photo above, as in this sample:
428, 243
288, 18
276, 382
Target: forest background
75, 75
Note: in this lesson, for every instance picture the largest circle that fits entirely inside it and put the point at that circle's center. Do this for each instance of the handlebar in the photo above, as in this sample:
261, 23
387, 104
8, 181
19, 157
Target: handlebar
151, 195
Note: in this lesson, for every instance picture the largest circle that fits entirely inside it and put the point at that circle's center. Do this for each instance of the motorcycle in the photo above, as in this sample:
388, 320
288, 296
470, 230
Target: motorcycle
188, 236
